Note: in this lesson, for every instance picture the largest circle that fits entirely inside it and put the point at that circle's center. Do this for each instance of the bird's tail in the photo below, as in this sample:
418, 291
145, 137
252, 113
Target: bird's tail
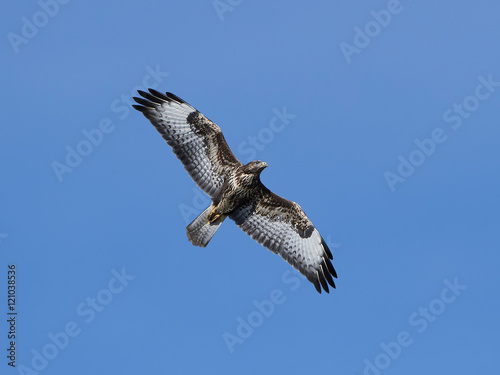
201, 231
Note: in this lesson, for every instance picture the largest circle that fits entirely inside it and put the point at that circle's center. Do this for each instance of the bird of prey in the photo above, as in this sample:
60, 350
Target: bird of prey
236, 190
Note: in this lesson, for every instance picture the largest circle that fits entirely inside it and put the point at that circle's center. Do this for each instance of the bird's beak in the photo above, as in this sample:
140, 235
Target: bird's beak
262, 166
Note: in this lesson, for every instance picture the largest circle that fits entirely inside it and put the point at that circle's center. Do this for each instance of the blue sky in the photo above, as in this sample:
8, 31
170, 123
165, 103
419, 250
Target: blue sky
389, 143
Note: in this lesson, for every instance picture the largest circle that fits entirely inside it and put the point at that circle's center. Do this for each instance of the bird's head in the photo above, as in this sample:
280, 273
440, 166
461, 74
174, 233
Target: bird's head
255, 167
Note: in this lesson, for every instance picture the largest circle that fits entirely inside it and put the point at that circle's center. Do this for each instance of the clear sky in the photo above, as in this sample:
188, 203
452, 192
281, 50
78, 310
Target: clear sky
380, 118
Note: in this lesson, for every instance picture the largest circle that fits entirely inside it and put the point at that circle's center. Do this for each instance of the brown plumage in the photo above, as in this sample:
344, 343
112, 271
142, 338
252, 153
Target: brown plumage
236, 190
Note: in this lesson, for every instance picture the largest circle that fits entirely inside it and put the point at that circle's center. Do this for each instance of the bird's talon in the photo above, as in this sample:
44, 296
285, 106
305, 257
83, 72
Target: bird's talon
212, 216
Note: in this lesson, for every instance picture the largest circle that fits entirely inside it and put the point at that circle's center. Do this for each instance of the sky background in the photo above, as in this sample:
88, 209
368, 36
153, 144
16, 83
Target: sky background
362, 83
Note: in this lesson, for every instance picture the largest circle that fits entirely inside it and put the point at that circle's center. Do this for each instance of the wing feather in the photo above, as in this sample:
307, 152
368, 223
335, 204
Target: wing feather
196, 141
282, 227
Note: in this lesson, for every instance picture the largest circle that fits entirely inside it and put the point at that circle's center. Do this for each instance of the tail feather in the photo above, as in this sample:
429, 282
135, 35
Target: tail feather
200, 231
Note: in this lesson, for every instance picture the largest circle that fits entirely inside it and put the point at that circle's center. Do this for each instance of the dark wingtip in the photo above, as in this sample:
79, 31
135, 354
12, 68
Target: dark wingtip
158, 97
330, 267
174, 97
331, 282
140, 108
328, 274
316, 285
322, 279
144, 102
159, 94
327, 249
151, 97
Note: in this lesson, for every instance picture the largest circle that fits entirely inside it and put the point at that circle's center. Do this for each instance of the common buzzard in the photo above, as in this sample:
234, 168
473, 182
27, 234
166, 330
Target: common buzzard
236, 190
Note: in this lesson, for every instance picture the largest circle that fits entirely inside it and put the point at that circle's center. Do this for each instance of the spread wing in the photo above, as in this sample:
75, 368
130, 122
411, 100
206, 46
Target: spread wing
197, 141
282, 226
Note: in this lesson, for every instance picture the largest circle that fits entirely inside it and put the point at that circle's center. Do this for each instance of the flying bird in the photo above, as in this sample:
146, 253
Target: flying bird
236, 191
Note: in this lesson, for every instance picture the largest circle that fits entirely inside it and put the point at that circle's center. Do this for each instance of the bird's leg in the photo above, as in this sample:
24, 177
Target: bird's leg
213, 215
